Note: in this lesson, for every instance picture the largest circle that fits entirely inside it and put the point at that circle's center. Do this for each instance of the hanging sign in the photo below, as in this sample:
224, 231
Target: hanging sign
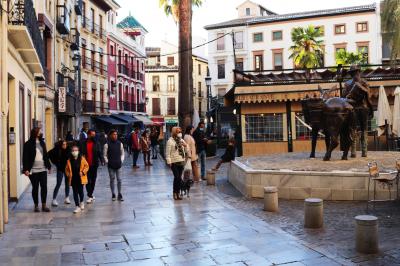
62, 94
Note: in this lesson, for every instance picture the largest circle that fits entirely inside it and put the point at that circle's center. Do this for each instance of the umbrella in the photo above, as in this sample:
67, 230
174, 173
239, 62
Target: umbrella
384, 113
396, 112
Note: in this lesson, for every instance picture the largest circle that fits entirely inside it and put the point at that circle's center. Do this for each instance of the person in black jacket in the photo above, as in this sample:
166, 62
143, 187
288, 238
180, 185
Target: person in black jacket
228, 156
59, 156
91, 150
199, 136
36, 163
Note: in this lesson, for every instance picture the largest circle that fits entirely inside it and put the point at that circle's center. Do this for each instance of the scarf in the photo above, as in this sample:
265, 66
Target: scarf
179, 147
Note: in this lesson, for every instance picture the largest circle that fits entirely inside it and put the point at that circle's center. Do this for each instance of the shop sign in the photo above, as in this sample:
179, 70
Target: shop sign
62, 94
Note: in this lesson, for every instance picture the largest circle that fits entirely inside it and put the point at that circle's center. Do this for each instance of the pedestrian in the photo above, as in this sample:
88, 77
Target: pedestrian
176, 157
145, 145
188, 138
135, 147
154, 136
91, 150
201, 143
228, 156
76, 170
59, 156
69, 137
102, 137
128, 141
36, 163
83, 135
114, 157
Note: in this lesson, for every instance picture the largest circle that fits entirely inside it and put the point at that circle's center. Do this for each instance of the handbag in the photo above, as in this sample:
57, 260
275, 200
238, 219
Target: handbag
188, 166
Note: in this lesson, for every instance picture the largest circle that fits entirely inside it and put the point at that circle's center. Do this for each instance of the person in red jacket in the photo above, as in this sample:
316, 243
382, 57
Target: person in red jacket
135, 136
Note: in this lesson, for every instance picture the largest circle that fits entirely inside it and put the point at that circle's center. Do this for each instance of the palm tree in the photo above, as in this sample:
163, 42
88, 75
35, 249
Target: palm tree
350, 58
181, 10
307, 49
390, 23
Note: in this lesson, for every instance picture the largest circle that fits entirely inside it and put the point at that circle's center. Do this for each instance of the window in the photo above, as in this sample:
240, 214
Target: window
221, 92
156, 83
156, 106
101, 25
199, 68
239, 64
363, 48
111, 50
22, 122
322, 56
93, 57
258, 62
170, 60
199, 89
340, 29
171, 106
362, 26
93, 91
221, 69
277, 35
257, 37
91, 27
220, 41
239, 40
83, 14
248, 11
264, 127
321, 29
277, 60
302, 132
171, 83
200, 109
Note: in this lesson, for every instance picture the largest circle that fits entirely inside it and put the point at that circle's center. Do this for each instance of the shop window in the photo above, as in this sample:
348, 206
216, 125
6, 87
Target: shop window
264, 127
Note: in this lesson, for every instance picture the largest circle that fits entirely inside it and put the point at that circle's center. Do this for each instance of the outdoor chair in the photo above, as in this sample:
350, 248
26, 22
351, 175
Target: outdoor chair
386, 180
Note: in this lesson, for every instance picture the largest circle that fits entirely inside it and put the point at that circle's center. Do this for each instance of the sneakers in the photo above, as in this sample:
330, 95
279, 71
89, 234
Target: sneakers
120, 198
54, 203
67, 201
90, 200
113, 197
82, 206
77, 210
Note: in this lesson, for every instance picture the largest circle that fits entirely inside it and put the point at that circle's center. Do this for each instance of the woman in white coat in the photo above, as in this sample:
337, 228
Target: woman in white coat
193, 153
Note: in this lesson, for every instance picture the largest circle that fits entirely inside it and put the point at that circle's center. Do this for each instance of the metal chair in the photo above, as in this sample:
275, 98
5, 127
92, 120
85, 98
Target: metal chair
385, 180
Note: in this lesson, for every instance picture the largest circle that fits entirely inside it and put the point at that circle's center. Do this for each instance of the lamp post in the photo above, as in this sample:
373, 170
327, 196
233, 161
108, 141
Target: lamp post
208, 84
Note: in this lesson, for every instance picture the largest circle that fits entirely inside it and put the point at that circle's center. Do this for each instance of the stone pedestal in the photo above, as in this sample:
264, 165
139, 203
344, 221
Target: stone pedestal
210, 178
366, 234
270, 199
313, 213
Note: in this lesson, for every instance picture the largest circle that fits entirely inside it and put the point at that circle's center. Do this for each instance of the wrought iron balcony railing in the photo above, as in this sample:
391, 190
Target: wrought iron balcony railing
89, 106
22, 13
75, 39
122, 69
79, 7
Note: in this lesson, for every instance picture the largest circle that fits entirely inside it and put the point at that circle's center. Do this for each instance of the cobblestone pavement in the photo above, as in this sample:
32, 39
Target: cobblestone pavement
215, 226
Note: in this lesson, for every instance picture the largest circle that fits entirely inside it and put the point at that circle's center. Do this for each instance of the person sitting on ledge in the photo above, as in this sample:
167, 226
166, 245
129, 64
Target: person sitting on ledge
228, 156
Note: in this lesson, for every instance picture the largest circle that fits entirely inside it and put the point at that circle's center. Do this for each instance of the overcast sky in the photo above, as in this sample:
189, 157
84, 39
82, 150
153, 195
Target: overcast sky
160, 27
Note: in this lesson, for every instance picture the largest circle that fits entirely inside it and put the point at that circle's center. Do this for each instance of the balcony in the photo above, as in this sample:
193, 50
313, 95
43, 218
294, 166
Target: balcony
79, 7
63, 24
99, 68
67, 82
131, 107
24, 34
75, 39
86, 63
87, 23
122, 69
89, 106
70, 105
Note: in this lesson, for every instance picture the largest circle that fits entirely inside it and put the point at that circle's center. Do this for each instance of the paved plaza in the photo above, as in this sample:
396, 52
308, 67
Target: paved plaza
215, 226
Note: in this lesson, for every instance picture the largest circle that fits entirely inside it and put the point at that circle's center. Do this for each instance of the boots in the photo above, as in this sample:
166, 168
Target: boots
177, 196
45, 208
36, 209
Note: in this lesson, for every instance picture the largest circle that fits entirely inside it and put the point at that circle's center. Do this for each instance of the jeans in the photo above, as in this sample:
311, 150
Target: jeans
36, 180
92, 176
115, 173
177, 170
154, 151
77, 190
202, 158
60, 176
135, 156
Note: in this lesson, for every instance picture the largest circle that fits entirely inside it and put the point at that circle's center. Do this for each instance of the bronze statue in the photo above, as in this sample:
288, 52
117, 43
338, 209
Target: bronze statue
358, 93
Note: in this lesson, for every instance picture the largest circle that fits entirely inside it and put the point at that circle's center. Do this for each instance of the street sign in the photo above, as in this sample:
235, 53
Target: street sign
62, 95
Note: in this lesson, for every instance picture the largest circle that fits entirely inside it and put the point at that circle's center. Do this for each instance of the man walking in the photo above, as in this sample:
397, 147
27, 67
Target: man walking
135, 146
113, 157
200, 138
91, 150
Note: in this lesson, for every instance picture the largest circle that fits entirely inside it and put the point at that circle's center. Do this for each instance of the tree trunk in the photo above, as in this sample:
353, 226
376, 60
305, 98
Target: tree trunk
185, 101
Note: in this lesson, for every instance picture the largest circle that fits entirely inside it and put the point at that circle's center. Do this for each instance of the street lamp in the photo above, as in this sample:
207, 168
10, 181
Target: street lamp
208, 84
146, 100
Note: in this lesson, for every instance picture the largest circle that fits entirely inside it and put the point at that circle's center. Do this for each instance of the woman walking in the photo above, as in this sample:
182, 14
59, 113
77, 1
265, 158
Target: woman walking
145, 144
176, 156
59, 156
154, 135
193, 154
36, 163
76, 171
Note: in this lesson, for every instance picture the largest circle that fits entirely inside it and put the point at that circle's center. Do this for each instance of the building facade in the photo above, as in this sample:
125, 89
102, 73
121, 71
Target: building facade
126, 57
162, 84
263, 38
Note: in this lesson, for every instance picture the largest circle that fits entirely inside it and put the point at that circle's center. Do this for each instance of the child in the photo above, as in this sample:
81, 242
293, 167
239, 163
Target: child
228, 156
76, 171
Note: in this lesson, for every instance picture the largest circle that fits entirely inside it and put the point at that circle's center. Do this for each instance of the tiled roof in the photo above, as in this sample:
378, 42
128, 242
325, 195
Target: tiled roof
293, 16
130, 22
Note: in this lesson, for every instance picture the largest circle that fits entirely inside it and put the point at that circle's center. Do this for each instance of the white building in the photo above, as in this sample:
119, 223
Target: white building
263, 39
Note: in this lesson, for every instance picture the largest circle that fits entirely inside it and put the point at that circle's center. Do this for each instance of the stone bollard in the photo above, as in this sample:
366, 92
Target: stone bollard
313, 213
210, 177
366, 234
270, 199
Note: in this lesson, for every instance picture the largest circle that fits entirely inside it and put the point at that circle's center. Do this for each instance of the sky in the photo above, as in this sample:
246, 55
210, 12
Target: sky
161, 27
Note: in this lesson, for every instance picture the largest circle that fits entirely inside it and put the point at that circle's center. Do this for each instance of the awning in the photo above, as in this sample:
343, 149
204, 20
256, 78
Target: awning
110, 121
144, 119
129, 119
158, 121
